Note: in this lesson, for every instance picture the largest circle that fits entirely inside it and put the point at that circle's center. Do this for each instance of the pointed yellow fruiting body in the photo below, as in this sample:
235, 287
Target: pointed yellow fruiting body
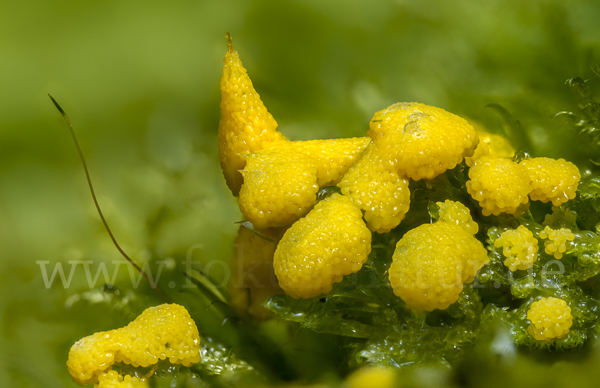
320, 249
281, 182
246, 126
550, 318
519, 247
162, 332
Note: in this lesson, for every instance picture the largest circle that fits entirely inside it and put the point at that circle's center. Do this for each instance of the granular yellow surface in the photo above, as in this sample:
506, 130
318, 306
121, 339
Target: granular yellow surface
557, 241
551, 179
333, 157
379, 192
279, 188
456, 213
499, 185
550, 318
431, 263
246, 126
159, 333
421, 141
319, 249
112, 379
519, 247
281, 183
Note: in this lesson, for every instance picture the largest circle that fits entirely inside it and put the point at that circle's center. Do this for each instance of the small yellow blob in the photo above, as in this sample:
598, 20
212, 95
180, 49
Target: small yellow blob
456, 213
552, 180
431, 263
159, 333
246, 126
557, 241
550, 318
112, 379
252, 275
379, 192
490, 144
372, 377
499, 185
519, 247
420, 141
281, 183
320, 249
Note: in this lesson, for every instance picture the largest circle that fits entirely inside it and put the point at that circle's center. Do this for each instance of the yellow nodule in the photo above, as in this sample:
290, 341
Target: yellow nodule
519, 247
431, 263
552, 180
320, 249
550, 318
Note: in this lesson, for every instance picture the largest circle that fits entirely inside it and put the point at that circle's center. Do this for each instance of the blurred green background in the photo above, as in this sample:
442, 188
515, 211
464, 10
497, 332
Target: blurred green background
140, 81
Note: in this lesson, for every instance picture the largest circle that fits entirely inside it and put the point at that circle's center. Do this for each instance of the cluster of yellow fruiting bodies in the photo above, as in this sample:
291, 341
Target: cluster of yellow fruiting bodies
504, 186
277, 181
501, 185
520, 247
281, 178
165, 332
